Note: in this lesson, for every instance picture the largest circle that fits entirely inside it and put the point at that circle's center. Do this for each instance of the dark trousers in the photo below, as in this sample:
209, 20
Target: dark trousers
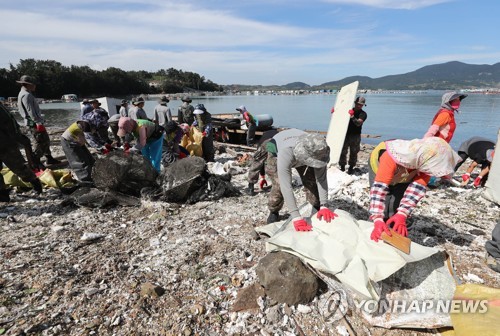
493, 245
352, 143
207, 146
79, 159
251, 134
11, 156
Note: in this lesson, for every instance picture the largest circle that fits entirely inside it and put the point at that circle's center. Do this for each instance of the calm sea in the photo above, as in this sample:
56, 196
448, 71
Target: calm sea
390, 115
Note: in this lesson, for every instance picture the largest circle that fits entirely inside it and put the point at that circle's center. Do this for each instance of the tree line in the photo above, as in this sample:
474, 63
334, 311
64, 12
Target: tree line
55, 80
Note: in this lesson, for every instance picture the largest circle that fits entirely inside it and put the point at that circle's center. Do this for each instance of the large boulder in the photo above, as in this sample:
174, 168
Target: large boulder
127, 173
286, 279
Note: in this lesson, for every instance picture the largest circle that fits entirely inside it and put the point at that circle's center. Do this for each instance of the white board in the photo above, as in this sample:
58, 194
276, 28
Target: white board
339, 121
492, 186
111, 105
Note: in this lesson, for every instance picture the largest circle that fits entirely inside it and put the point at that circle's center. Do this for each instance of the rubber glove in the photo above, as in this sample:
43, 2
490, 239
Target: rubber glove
477, 181
465, 177
378, 228
40, 128
351, 113
399, 221
326, 214
204, 134
104, 150
263, 182
126, 146
300, 224
332, 110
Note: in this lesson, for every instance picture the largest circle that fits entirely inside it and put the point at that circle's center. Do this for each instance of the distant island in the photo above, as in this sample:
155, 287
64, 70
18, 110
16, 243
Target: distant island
445, 76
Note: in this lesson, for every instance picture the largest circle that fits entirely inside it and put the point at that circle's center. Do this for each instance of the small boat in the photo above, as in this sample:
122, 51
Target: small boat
69, 98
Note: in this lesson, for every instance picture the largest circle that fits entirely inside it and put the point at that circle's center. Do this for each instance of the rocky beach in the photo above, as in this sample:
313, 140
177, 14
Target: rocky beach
176, 269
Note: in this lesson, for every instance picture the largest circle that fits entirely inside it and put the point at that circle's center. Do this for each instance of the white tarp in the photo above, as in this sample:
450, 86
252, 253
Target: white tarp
492, 186
344, 248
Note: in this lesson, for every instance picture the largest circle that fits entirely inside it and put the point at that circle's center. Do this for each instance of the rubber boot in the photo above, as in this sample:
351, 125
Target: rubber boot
273, 217
250, 190
4, 195
342, 168
350, 171
37, 186
50, 160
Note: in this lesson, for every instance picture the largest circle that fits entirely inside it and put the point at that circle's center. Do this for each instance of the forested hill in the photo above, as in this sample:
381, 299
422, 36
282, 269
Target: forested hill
451, 75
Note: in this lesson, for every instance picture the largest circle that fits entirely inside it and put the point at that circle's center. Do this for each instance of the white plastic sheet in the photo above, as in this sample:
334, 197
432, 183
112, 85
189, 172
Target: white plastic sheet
492, 186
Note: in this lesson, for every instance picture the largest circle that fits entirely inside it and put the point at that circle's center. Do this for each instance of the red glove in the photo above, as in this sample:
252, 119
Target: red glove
40, 128
477, 181
465, 177
204, 133
263, 182
104, 150
300, 224
182, 155
126, 146
399, 221
351, 113
326, 214
108, 147
332, 110
379, 227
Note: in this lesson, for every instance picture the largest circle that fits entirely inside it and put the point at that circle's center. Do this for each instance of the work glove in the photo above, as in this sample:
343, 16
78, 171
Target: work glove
263, 182
399, 221
326, 214
204, 134
477, 181
332, 110
465, 177
300, 224
126, 146
351, 113
379, 227
40, 128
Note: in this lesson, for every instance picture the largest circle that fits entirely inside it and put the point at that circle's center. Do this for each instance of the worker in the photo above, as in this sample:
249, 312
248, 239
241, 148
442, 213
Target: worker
399, 171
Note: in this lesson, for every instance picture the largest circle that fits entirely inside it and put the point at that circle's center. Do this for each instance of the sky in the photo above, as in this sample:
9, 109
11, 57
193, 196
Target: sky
267, 42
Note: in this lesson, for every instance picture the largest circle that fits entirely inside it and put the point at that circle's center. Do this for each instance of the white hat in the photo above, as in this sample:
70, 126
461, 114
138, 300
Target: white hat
198, 111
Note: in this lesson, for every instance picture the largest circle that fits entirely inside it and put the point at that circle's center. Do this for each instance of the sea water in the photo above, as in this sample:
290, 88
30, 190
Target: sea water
390, 115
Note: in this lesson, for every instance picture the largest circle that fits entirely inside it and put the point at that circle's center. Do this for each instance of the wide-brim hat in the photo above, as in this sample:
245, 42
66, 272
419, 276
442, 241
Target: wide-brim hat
139, 101
186, 99
164, 99
360, 100
95, 101
25, 79
124, 102
242, 108
85, 101
312, 150
490, 153
198, 111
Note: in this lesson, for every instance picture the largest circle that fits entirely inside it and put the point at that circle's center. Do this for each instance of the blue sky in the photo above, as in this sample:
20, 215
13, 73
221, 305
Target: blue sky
253, 42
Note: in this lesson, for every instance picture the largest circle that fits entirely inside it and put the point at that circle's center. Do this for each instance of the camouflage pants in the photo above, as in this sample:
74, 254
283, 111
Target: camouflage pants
258, 164
352, 143
42, 142
11, 156
275, 200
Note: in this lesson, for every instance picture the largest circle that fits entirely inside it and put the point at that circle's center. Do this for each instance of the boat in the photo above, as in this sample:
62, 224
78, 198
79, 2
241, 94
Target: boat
69, 98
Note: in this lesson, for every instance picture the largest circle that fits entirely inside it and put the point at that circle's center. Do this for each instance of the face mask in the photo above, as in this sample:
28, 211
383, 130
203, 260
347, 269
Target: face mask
455, 104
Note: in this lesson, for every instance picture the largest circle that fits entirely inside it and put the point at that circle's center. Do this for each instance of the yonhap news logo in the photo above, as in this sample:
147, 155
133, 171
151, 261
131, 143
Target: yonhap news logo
334, 305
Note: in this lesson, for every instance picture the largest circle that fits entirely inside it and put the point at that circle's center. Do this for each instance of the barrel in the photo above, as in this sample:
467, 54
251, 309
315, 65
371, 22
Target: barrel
264, 121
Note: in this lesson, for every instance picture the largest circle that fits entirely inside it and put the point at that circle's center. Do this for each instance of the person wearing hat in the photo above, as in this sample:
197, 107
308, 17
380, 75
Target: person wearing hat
98, 120
79, 158
149, 138
481, 151
124, 108
250, 123
86, 107
185, 112
352, 142
399, 173
203, 123
137, 112
162, 114
444, 125
309, 155
172, 151
30, 111
11, 138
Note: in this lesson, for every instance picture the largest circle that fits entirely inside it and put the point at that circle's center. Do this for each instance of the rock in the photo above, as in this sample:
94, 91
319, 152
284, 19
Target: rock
247, 298
88, 236
237, 280
303, 309
286, 279
197, 309
151, 290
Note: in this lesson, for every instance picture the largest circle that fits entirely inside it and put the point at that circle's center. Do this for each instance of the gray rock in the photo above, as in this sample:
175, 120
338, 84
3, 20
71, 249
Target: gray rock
286, 279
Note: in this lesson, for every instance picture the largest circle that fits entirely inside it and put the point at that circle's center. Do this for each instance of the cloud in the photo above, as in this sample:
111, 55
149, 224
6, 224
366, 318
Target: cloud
391, 4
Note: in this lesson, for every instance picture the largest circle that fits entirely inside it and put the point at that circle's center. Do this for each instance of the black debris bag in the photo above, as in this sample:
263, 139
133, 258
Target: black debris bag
94, 198
188, 180
124, 172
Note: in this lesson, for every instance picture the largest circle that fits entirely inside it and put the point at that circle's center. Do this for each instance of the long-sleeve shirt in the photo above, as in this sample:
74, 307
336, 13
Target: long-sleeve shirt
28, 107
162, 114
123, 111
137, 113
144, 130
74, 134
285, 143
